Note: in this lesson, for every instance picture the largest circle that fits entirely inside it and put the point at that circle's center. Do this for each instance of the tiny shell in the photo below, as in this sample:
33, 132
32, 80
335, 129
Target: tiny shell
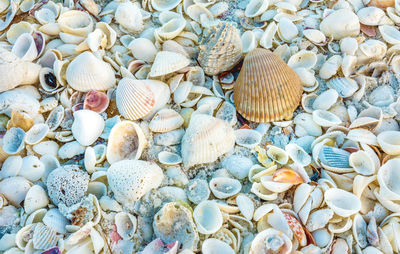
32, 168
362, 163
256, 7
96, 101
129, 16
271, 240
224, 187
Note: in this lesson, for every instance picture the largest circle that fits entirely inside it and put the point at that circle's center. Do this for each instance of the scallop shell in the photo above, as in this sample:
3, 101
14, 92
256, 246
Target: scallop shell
224, 187
211, 244
166, 120
43, 237
126, 141
343, 203
345, 87
221, 49
87, 126
86, 72
168, 62
131, 179
205, 140
55, 220
266, 107
208, 217
335, 158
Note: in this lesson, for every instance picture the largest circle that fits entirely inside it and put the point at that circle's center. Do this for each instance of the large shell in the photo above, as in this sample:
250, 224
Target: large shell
126, 141
267, 89
343, 203
76, 23
340, 23
206, 139
87, 72
221, 49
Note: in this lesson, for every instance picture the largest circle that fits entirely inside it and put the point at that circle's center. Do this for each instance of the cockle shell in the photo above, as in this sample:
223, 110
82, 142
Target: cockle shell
343, 203
132, 179
210, 245
87, 72
15, 189
143, 49
168, 62
35, 199
281, 84
166, 120
43, 237
221, 49
126, 141
388, 175
13, 141
129, 16
96, 101
87, 126
340, 23
271, 241
208, 217
75, 22
55, 220
389, 141
224, 187
206, 139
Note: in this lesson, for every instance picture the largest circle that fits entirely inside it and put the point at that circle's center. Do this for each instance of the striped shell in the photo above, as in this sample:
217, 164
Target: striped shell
167, 62
166, 120
135, 99
44, 237
267, 89
221, 49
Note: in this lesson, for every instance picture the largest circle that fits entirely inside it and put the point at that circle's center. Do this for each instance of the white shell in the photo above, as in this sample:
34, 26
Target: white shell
248, 138
166, 120
160, 5
315, 36
167, 62
246, 206
325, 118
345, 87
390, 34
287, 31
171, 29
126, 141
13, 141
168, 158
340, 23
237, 165
224, 187
11, 166
143, 49
373, 16
277, 154
55, 220
271, 240
32, 168
297, 154
249, 41
348, 46
210, 245
362, 163
75, 22
256, 7
389, 141
388, 176
343, 203
25, 47
129, 16
87, 72
15, 189
126, 225
330, 67
43, 237
208, 217
87, 126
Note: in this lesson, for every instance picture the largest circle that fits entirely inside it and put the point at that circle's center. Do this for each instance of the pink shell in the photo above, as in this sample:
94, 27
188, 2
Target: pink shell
96, 101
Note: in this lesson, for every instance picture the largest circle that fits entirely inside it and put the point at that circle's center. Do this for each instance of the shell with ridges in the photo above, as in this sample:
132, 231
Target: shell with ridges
166, 120
167, 62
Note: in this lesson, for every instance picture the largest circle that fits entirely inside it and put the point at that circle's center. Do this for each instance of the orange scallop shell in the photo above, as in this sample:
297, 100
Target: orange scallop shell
267, 89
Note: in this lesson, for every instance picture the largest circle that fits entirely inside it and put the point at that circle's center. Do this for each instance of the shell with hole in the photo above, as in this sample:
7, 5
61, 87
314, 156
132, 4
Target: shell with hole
206, 139
126, 141
282, 86
221, 49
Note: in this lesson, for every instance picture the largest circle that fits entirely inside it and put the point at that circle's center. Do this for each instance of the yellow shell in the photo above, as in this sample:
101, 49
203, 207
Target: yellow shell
221, 49
267, 89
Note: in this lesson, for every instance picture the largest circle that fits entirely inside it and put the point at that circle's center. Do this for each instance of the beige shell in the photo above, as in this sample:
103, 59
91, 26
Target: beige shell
166, 120
267, 89
75, 22
271, 241
87, 72
206, 139
221, 49
126, 141
167, 62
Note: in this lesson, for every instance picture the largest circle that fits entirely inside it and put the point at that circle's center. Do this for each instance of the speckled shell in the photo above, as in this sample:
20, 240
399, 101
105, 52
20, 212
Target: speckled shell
221, 49
267, 89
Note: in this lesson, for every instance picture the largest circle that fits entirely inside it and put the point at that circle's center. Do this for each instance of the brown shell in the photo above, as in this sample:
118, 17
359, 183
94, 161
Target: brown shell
267, 89
220, 49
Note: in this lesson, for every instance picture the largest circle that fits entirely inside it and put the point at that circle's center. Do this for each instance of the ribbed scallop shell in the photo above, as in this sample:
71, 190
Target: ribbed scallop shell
87, 72
206, 139
44, 237
135, 99
221, 49
267, 89
167, 62
166, 120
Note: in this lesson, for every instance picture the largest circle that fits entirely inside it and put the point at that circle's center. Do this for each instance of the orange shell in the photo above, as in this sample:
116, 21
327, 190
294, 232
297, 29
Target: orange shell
267, 89
297, 229
381, 3
286, 175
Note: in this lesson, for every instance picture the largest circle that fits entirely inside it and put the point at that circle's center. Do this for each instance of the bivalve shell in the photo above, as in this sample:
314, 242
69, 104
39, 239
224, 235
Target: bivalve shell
168, 62
388, 177
340, 23
211, 245
166, 120
224, 187
389, 141
87, 126
15, 189
343, 203
271, 241
208, 217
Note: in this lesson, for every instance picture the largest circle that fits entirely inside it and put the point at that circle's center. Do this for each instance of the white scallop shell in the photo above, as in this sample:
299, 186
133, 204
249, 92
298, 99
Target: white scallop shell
87, 72
268, 36
143, 49
87, 126
126, 225
43, 237
166, 120
168, 62
208, 217
224, 187
89, 160
343, 203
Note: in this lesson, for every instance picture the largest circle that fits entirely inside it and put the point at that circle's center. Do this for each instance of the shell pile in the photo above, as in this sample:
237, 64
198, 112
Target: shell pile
199, 126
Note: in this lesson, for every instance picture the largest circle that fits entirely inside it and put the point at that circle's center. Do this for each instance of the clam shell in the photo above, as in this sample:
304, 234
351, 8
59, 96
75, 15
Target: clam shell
197, 190
224, 187
208, 217
390, 34
205, 140
32, 168
211, 244
325, 118
86, 72
237, 165
129, 16
17, 30
389, 141
249, 41
126, 225
340, 23
275, 78
303, 59
167, 62
44, 237
164, 5
330, 67
360, 230
15, 189
271, 240
245, 205
256, 8
388, 175
343, 203
143, 49
248, 138
126, 141
131, 179
87, 126
335, 158
25, 47
55, 220
362, 163
278, 187
345, 87
373, 16
168, 158
11, 166
13, 141
220, 49
166, 120
278, 154
171, 29
75, 22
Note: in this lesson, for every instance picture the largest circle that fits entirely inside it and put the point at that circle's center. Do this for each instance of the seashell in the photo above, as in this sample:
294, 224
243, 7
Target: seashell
89, 160
20, 120
211, 244
25, 47
14, 72
330, 67
43, 237
363, 136
305, 124
197, 190
245, 205
174, 222
276, 187
197, 11
335, 158
126, 141
381, 3
70, 150
297, 154
55, 118
303, 59
278, 154
315, 36
17, 30
224, 187
169, 138
167, 62
11, 166
96, 101
348, 46
387, 177
287, 31
126, 225
168, 158
208, 217
319, 219
248, 138
131, 179
362, 163
32, 168
270, 241
129, 17
182, 92
249, 41
371, 50
166, 120
87, 127
171, 29
164, 5
237, 165
389, 142
48, 80
390, 34
340, 23
373, 16
55, 220
75, 22
268, 36
345, 87
205, 140
360, 230
67, 184
86, 72
15, 189
143, 49
227, 112
286, 175
325, 118
220, 49
256, 7
13, 141
275, 110
343, 203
